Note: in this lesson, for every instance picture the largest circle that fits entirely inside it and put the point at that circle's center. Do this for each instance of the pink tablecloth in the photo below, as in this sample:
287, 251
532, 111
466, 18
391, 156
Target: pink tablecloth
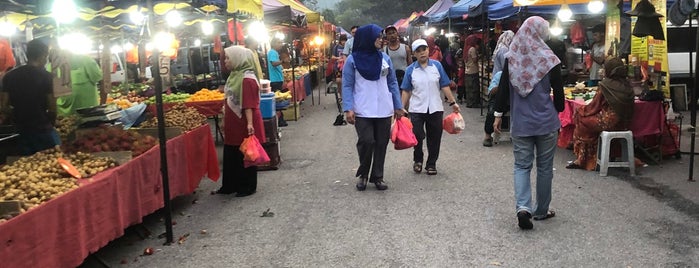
300, 91
648, 119
65, 230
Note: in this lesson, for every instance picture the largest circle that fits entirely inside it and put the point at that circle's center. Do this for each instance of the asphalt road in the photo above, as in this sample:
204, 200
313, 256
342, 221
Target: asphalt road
462, 217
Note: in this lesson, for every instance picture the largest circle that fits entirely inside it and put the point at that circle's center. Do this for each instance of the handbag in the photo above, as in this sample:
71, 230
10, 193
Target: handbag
402, 134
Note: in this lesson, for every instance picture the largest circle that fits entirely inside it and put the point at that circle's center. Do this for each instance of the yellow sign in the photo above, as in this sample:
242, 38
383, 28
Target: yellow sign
652, 53
547, 2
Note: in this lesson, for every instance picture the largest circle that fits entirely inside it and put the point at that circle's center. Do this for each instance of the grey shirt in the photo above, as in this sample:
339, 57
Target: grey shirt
348, 47
399, 57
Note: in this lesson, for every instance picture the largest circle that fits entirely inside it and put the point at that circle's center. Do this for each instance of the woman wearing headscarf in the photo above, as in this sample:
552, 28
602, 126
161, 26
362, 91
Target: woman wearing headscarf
531, 69
241, 118
435, 51
370, 96
610, 110
498, 61
472, 84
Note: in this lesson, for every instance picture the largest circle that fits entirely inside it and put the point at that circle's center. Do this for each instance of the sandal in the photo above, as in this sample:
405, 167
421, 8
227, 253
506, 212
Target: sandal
549, 214
431, 171
417, 167
573, 165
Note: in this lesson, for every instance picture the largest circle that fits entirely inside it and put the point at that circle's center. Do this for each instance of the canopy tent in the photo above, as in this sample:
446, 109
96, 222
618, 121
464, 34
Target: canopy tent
437, 7
404, 23
505, 9
457, 11
278, 13
311, 16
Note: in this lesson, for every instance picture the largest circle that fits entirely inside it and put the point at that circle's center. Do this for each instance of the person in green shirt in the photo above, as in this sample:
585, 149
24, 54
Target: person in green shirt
84, 75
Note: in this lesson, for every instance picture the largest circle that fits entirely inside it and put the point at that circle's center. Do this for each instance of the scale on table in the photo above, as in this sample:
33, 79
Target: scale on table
98, 115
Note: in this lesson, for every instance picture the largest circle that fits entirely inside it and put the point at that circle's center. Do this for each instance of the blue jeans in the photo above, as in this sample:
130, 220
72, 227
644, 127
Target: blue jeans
30, 143
524, 148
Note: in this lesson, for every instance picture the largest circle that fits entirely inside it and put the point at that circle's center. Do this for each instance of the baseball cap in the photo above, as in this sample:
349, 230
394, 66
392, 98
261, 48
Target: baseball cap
391, 26
418, 43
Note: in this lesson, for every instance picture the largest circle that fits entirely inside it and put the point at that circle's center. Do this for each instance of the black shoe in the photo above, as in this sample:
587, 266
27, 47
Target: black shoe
524, 220
361, 184
380, 185
339, 120
488, 142
223, 191
243, 194
282, 124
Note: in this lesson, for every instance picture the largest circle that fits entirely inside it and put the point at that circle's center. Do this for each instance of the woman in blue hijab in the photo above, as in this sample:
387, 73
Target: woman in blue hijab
370, 98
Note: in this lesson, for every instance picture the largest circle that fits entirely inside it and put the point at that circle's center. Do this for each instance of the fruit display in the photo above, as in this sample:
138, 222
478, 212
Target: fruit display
170, 98
110, 139
179, 115
65, 125
206, 95
122, 103
279, 96
35, 179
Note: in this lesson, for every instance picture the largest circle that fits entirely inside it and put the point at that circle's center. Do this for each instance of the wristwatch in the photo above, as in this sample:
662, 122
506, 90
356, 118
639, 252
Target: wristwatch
452, 103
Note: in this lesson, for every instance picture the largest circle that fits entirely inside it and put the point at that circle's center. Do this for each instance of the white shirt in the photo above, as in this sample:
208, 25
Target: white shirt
426, 85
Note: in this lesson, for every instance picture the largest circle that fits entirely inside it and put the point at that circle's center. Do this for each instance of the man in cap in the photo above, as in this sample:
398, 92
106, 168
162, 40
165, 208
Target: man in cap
398, 52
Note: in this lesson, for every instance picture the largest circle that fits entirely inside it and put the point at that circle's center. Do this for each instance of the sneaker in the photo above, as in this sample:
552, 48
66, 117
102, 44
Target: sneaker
524, 220
381, 185
488, 142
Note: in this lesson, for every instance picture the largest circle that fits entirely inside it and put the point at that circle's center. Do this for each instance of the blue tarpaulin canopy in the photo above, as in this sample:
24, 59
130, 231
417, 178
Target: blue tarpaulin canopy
437, 7
457, 11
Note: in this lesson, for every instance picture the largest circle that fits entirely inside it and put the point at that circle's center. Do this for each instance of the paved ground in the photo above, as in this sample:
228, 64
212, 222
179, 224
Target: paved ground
463, 217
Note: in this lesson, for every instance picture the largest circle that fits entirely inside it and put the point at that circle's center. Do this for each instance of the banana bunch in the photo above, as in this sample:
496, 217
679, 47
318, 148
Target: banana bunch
278, 95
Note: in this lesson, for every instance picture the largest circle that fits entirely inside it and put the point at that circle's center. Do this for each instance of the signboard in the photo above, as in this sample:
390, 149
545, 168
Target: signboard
612, 34
652, 53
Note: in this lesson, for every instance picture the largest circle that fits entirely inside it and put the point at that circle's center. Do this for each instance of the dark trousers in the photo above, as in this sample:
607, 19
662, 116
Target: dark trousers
473, 90
430, 126
373, 135
460, 93
276, 86
236, 177
490, 116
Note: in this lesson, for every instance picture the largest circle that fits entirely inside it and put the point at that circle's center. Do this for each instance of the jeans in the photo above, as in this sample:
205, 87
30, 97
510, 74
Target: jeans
524, 148
490, 116
30, 143
428, 126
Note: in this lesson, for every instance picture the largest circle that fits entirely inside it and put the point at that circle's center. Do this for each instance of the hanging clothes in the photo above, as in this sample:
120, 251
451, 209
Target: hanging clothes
7, 58
577, 33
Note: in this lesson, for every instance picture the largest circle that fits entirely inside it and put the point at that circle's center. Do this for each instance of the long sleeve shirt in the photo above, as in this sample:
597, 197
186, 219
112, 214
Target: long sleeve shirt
535, 114
370, 99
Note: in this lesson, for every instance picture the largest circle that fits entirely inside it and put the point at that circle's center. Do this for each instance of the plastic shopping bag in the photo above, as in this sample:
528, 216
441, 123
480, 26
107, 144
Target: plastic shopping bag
402, 134
453, 123
254, 153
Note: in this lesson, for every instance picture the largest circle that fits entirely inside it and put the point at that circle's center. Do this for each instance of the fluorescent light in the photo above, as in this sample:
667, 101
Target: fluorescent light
258, 31
173, 18
7, 28
197, 42
137, 17
75, 42
207, 28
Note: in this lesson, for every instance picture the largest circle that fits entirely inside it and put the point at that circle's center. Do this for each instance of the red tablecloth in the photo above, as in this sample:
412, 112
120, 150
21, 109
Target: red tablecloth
207, 108
299, 91
65, 230
648, 119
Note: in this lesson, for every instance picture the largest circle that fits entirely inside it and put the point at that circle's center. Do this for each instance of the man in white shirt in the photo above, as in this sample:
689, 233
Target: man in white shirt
350, 42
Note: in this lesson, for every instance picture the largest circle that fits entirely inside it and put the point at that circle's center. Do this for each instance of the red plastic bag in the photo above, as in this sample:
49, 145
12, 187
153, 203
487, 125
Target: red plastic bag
453, 123
402, 134
253, 152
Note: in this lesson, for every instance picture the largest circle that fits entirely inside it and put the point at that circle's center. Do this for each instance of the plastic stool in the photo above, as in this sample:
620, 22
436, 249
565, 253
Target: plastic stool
627, 156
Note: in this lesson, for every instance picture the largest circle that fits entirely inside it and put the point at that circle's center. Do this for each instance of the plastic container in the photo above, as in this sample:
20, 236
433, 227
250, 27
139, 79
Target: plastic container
267, 105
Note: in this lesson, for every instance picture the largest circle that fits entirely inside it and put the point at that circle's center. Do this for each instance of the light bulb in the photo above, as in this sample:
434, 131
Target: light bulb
7, 28
64, 11
173, 18
197, 42
595, 6
565, 13
207, 28
556, 31
136, 17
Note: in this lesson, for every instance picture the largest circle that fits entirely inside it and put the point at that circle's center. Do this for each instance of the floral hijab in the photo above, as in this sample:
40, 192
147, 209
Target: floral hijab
242, 65
529, 58
503, 41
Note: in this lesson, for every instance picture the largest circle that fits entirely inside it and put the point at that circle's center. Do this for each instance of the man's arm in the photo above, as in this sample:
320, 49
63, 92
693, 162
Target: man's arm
408, 55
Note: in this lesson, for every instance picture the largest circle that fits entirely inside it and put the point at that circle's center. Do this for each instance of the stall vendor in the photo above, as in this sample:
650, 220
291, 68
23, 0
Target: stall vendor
29, 89
84, 75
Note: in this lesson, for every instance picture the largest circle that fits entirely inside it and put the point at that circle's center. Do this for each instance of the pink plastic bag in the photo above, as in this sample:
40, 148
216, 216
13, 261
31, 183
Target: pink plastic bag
453, 123
402, 134
253, 152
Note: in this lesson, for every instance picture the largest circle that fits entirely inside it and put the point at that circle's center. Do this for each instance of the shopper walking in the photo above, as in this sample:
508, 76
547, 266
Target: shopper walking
472, 85
275, 68
370, 97
28, 89
420, 92
498, 61
400, 53
241, 118
530, 71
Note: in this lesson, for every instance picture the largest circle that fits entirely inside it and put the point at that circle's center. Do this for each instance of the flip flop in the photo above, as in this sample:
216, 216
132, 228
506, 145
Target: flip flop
431, 171
549, 214
417, 167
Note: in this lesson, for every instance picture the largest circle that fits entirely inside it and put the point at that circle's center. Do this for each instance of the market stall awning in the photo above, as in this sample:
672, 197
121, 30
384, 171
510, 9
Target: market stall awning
457, 11
251, 7
437, 7
311, 16
505, 9
548, 2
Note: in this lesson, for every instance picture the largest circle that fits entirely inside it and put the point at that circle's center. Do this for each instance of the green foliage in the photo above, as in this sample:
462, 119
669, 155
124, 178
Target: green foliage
361, 12
311, 4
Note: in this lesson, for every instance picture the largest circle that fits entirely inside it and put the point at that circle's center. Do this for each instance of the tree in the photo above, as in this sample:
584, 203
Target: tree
329, 15
311, 4
361, 12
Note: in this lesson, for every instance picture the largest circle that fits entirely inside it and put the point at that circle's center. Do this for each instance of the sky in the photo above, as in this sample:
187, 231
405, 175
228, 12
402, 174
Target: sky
329, 4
